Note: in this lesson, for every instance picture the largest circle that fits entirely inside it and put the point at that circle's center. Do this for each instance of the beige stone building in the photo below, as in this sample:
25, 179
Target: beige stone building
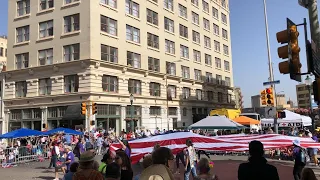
3, 61
303, 99
174, 56
238, 98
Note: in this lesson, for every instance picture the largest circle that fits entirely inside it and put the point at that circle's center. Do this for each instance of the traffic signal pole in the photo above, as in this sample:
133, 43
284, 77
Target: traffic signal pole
271, 76
314, 22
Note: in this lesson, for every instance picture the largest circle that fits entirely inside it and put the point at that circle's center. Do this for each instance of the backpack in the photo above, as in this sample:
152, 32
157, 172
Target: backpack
303, 156
104, 167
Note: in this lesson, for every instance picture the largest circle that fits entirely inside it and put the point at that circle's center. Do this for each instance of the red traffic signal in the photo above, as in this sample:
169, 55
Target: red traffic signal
281, 114
269, 91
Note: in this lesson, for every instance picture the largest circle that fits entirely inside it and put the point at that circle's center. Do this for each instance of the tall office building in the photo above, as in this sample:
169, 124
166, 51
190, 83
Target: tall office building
173, 56
303, 97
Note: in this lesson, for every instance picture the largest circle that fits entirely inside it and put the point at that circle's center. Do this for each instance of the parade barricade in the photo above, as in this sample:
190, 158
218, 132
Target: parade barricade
23, 154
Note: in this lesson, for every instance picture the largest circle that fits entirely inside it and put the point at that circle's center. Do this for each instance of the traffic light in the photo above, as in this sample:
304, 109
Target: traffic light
269, 96
291, 51
281, 114
316, 90
83, 108
263, 99
94, 108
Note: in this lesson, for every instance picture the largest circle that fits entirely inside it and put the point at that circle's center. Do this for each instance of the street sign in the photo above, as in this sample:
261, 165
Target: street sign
271, 83
270, 112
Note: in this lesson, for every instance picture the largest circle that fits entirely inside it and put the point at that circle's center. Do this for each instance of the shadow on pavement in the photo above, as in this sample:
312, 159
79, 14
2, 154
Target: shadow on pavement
44, 177
40, 168
47, 171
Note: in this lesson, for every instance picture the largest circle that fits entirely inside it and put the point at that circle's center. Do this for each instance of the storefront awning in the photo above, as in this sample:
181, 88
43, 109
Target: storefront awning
73, 112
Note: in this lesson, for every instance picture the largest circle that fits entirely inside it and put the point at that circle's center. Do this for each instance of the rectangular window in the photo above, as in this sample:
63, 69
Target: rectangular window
220, 97
219, 79
109, 53
153, 64
225, 50
227, 81
172, 92
109, 25
133, 34
208, 77
224, 34
210, 95
155, 110
46, 4
184, 51
199, 94
133, 59
71, 52
134, 86
45, 86
226, 65
1, 51
197, 74
46, 29
217, 46
206, 24
196, 37
216, 30
223, 3
185, 93
205, 6
152, 17
169, 46
207, 42
185, 72
195, 18
218, 63
71, 23
111, 3
215, 13
195, 2
22, 34
168, 4
71, 83
70, 1
183, 31
21, 89
22, 61
208, 59
183, 11
45, 56
23, 7
154, 89
132, 8
153, 41
171, 68
110, 83
196, 56
168, 24
224, 18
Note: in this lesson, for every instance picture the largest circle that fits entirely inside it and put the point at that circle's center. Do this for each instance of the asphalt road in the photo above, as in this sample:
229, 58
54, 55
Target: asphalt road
225, 168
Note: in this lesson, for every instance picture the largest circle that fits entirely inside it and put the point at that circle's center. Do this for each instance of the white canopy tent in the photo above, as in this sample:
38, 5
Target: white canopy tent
216, 122
292, 119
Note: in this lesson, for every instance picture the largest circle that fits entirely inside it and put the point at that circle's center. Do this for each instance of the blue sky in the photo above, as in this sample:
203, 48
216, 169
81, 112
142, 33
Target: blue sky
249, 46
249, 50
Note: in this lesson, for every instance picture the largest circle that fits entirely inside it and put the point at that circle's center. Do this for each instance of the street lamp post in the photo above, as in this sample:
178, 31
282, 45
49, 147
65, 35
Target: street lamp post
308, 82
131, 112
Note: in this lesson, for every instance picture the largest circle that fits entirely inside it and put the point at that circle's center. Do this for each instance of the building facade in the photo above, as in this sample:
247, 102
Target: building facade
238, 98
3, 61
173, 56
303, 98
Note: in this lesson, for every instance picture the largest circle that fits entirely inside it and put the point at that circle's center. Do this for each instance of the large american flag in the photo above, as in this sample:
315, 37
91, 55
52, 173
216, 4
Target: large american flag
228, 143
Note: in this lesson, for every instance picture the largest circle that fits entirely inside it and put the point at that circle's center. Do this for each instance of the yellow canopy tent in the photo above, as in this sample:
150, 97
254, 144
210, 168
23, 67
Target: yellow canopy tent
246, 120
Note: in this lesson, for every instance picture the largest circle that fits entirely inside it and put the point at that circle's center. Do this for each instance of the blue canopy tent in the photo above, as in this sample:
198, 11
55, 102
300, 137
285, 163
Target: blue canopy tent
63, 130
23, 132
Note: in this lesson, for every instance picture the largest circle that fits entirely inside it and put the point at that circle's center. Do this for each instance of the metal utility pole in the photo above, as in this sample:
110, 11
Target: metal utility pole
271, 77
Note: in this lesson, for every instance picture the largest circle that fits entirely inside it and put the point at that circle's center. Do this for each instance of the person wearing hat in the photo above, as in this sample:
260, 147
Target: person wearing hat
69, 157
86, 170
300, 160
257, 167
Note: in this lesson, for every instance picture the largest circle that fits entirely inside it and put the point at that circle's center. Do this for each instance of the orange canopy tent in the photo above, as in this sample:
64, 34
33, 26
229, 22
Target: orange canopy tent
246, 120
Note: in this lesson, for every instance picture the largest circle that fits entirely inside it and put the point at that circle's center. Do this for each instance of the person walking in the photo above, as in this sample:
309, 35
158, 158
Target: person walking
300, 159
191, 161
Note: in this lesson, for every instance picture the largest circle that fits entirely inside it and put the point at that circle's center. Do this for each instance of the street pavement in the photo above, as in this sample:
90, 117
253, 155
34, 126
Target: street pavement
225, 168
